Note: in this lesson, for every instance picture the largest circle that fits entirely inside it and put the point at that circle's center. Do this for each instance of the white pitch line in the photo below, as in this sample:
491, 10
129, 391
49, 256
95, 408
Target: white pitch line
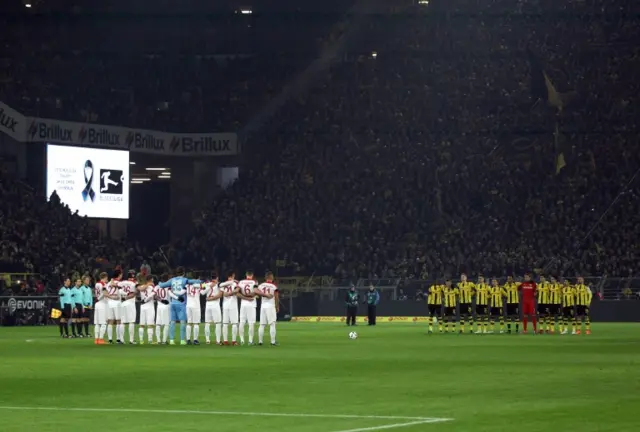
255, 414
396, 425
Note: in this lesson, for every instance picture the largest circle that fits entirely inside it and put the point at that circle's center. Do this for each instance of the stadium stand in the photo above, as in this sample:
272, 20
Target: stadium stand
420, 150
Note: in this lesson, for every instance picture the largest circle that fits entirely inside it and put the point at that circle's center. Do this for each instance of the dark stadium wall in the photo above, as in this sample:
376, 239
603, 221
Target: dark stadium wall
603, 311
13, 156
149, 213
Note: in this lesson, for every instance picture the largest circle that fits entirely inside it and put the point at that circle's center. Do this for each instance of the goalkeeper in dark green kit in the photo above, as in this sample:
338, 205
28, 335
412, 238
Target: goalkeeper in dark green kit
352, 305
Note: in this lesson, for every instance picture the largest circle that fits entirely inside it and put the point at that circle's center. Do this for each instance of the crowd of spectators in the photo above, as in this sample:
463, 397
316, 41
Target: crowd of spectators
46, 239
418, 152
421, 152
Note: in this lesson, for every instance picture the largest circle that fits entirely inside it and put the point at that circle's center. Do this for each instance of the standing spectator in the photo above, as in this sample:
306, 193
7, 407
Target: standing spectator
373, 298
352, 305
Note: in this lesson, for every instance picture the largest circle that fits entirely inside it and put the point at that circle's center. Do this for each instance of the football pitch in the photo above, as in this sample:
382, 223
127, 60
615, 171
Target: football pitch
393, 377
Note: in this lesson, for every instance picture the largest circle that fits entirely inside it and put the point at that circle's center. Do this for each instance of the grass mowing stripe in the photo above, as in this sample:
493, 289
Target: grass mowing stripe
254, 414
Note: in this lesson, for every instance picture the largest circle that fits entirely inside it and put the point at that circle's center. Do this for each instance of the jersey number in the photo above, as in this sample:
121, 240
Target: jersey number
247, 291
267, 291
162, 294
113, 291
193, 291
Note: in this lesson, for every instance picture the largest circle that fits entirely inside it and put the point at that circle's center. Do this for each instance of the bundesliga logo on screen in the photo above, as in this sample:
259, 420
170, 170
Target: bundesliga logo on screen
111, 185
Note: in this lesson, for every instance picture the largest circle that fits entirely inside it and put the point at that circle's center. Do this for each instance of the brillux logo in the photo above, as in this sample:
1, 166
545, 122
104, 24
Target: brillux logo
54, 132
100, 136
7, 121
205, 144
146, 141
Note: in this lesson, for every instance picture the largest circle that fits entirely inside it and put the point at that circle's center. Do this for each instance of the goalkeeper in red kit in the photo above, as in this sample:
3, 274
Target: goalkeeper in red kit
528, 290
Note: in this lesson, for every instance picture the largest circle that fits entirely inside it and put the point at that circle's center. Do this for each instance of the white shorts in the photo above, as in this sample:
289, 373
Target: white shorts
128, 312
162, 314
213, 314
100, 314
268, 315
230, 316
194, 314
147, 316
114, 312
247, 314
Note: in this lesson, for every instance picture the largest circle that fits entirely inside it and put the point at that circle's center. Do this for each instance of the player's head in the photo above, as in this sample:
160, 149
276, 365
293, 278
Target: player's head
86, 280
214, 277
249, 274
78, 283
542, 279
151, 279
463, 277
371, 287
580, 280
494, 282
448, 282
269, 276
67, 282
553, 279
103, 277
131, 275
480, 279
180, 271
527, 277
117, 274
565, 281
164, 277
141, 279
231, 275
509, 279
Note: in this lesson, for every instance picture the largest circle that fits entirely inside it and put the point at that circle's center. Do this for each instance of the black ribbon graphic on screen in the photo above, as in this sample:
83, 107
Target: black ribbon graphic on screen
88, 188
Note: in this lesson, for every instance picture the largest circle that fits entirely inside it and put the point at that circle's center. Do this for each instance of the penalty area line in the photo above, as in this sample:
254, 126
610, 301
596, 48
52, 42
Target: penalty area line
396, 425
416, 420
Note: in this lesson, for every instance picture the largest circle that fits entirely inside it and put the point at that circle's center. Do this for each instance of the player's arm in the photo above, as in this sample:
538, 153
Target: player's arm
205, 291
276, 296
166, 284
589, 295
150, 296
194, 281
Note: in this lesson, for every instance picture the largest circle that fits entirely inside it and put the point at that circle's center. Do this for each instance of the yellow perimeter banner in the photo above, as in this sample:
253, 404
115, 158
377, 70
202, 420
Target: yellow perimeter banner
360, 319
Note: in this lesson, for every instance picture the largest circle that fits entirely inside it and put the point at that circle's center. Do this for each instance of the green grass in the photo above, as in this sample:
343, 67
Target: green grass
484, 383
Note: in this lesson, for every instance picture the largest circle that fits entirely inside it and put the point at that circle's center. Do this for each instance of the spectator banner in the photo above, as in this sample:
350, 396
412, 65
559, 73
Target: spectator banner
360, 319
26, 310
12, 122
34, 129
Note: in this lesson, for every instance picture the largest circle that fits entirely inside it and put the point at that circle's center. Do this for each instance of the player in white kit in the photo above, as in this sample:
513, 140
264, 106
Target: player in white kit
114, 297
212, 313
162, 312
194, 313
268, 308
147, 311
129, 291
246, 293
100, 309
229, 308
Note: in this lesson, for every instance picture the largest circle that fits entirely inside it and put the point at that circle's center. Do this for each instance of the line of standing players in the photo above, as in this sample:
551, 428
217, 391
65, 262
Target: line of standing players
561, 307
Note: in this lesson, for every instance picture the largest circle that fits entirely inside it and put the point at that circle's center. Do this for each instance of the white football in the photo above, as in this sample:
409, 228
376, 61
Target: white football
353, 335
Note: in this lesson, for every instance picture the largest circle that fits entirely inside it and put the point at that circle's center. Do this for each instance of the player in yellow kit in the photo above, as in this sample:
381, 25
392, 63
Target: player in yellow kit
583, 302
555, 304
481, 291
513, 303
434, 304
544, 297
568, 303
465, 290
450, 295
496, 300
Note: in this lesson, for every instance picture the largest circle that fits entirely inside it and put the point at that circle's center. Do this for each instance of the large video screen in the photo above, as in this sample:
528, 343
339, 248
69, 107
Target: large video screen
94, 182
